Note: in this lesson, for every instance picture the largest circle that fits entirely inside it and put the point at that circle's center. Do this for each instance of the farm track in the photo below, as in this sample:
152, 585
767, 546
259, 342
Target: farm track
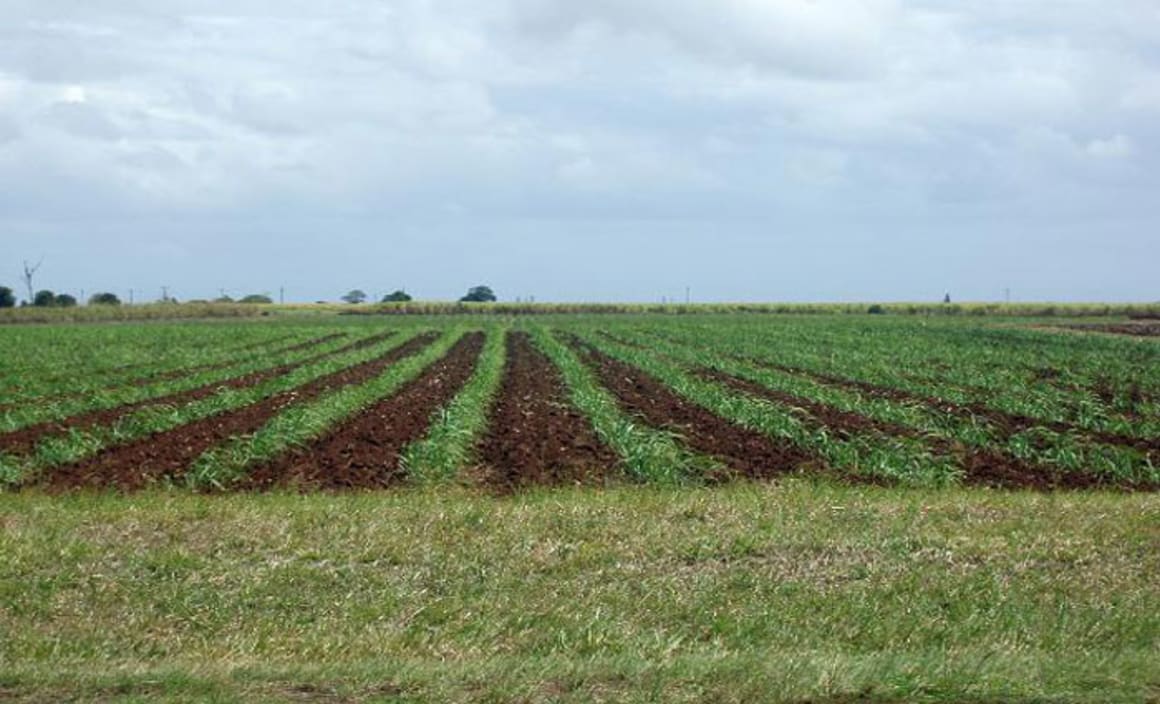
364, 452
169, 375
24, 440
167, 454
535, 435
745, 452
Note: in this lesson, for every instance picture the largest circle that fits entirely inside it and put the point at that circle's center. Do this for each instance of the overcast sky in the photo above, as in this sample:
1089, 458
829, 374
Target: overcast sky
782, 150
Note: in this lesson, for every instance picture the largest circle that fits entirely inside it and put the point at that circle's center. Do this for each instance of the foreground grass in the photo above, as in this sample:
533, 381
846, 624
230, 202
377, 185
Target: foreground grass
747, 593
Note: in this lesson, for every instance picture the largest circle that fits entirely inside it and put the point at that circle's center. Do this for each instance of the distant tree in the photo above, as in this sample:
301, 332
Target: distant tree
44, 299
876, 310
64, 300
7, 297
223, 299
947, 298
355, 296
399, 296
257, 298
478, 294
104, 299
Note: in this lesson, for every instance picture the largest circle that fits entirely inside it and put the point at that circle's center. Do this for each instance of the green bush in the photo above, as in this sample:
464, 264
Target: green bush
104, 299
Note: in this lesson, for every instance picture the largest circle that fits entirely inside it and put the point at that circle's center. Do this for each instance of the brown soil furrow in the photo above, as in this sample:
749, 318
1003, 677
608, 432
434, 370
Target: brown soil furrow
1134, 329
167, 454
1006, 424
96, 374
201, 369
24, 440
745, 452
536, 436
364, 452
981, 467
176, 373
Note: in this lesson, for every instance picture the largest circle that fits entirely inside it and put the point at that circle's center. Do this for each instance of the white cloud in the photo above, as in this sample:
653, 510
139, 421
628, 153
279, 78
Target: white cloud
1115, 147
216, 107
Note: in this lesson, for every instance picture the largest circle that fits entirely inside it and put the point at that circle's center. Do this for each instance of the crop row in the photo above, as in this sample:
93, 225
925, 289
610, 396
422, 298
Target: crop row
564, 402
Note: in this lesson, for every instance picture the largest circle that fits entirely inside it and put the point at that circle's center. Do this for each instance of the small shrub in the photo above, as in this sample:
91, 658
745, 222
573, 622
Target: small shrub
104, 299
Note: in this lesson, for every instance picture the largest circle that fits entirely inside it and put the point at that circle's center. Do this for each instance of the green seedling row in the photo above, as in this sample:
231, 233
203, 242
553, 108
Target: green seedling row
1040, 446
646, 454
78, 445
897, 459
447, 449
221, 467
40, 412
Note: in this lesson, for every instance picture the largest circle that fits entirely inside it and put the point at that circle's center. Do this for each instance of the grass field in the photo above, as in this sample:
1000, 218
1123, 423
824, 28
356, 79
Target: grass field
698, 507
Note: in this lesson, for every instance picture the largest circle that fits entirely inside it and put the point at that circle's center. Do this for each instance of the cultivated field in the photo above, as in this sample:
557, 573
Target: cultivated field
628, 507
329, 404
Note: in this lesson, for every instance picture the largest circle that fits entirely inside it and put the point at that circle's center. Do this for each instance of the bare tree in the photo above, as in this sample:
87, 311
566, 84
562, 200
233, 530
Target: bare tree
29, 272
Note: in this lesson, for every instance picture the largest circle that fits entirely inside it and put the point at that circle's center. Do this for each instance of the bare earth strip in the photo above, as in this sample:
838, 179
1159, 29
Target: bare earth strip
175, 373
536, 435
364, 452
167, 454
746, 452
24, 440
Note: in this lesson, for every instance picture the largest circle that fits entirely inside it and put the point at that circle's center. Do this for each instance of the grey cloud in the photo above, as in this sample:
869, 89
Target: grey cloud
82, 120
453, 116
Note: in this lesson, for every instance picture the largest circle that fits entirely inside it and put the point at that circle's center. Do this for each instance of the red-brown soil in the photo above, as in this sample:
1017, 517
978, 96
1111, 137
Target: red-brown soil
168, 454
178, 373
1006, 424
1141, 328
24, 440
745, 452
981, 467
364, 452
536, 435
109, 371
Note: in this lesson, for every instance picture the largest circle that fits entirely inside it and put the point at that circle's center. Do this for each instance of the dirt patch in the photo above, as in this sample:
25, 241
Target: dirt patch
1006, 424
745, 452
177, 373
1140, 328
536, 435
168, 454
981, 467
201, 369
24, 440
364, 452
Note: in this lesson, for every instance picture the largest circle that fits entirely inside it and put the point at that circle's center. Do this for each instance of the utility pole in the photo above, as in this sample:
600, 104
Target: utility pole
164, 294
688, 297
130, 296
29, 271
281, 295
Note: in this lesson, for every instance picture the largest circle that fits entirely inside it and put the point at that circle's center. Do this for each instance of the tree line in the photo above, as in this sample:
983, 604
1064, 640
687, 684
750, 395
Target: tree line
49, 299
